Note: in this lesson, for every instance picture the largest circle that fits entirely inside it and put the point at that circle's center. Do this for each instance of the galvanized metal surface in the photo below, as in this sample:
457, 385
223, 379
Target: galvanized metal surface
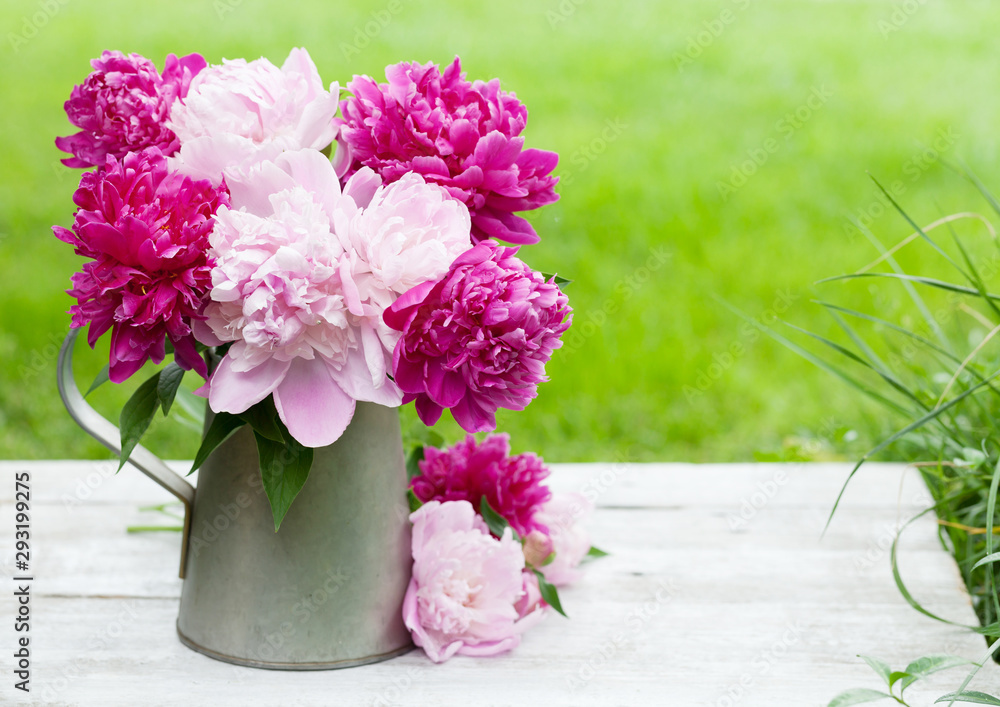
324, 592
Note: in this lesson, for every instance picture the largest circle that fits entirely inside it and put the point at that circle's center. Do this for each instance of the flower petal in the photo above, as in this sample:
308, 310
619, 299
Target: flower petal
314, 408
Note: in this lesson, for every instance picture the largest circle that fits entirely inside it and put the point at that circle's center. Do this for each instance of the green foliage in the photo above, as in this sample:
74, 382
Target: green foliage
935, 370
918, 669
639, 382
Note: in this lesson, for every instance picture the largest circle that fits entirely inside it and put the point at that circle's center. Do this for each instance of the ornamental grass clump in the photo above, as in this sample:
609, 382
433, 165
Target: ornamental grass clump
935, 364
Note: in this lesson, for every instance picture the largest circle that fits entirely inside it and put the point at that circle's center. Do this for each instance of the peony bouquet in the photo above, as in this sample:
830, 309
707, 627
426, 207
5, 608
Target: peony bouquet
302, 252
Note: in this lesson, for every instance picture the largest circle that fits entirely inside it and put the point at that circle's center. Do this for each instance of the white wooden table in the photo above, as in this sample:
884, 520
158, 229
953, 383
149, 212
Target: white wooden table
718, 592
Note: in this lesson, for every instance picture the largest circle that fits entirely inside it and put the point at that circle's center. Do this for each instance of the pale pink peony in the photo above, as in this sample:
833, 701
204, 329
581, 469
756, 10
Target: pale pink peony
466, 586
465, 136
304, 311
562, 515
123, 106
240, 113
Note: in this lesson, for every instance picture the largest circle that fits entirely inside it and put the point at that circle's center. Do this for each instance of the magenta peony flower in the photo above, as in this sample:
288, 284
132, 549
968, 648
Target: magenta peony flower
146, 232
478, 339
123, 105
463, 136
468, 471
466, 586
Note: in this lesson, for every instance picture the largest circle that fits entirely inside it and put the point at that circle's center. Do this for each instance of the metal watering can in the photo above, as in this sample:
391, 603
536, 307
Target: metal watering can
326, 591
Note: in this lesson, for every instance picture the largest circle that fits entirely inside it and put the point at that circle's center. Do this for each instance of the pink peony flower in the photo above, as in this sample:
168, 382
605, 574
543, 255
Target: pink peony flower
468, 471
478, 339
466, 584
562, 515
303, 308
240, 113
146, 232
123, 105
464, 136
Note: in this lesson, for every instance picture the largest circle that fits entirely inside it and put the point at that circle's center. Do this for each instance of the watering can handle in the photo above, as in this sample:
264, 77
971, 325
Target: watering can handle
107, 434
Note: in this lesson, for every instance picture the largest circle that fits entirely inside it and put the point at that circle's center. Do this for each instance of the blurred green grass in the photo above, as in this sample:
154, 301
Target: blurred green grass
655, 368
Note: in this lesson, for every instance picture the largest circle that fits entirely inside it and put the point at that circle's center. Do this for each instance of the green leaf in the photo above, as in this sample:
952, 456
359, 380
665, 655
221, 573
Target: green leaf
284, 469
494, 521
170, 380
993, 557
858, 696
415, 503
969, 697
596, 552
102, 378
192, 405
413, 462
136, 416
902, 433
895, 676
549, 593
922, 667
222, 427
560, 281
879, 666
263, 418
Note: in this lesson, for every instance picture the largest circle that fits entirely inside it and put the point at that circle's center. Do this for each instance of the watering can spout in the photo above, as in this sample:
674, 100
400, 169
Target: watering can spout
109, 435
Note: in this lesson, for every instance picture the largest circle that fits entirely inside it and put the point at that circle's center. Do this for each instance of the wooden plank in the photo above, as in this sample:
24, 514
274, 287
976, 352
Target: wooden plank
719, 592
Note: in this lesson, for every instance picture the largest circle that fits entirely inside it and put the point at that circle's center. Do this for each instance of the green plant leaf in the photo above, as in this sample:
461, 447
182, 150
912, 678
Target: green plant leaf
895, 676
929, 281
989, 559
136, 415
596, 552
879, 666
858, 696
263, 418
922, 667
902, 433
170, 380
549, 593
411, 498
494, 521
222, 427
413, 462
560, 281
969, 697
284, 469
102, 377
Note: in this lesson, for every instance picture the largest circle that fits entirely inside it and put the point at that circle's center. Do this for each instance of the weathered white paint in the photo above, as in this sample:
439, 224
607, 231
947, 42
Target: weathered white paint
719, 591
